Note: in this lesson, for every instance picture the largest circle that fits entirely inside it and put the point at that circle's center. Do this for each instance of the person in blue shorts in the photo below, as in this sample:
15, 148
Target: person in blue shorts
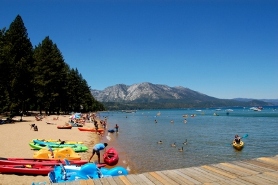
96, 149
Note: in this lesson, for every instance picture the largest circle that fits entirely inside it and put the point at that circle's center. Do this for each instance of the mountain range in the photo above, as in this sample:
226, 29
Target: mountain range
151, 96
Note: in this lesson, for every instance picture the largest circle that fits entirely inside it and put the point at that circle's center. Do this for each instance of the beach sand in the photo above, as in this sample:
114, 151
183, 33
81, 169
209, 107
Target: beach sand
15, 138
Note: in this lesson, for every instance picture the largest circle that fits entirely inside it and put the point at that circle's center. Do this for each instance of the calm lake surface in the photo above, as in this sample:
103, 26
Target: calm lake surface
208, 136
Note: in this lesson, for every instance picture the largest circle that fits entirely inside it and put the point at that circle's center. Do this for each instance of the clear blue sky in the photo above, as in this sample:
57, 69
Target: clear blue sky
222, 48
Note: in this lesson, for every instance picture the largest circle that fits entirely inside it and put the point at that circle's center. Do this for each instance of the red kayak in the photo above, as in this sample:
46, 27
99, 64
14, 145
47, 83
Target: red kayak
90, 129
111, 157
30, 161
30, 169
26, 169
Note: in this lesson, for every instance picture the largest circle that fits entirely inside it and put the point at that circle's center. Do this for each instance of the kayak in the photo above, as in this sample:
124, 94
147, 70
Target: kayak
36, 169
62, 153
75, 147
64, 127
111, 157
26, 169
58, 141
111, 130
238, 146
90, 129
87, 171
30, 161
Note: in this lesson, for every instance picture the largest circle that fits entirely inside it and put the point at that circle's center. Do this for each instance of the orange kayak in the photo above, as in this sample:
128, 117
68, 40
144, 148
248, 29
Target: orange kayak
90, 129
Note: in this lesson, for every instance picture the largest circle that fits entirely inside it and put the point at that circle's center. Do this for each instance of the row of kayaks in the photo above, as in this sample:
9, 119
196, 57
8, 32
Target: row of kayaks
42, 162
59, 170
110, 156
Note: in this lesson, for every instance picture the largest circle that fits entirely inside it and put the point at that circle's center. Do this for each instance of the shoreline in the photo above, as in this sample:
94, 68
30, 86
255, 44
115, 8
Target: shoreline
15, 138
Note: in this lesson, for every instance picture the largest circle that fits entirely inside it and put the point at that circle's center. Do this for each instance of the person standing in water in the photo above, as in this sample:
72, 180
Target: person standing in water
117, 128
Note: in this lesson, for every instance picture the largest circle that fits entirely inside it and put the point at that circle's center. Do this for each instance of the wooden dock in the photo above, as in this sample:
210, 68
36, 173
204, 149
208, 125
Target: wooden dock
259, 171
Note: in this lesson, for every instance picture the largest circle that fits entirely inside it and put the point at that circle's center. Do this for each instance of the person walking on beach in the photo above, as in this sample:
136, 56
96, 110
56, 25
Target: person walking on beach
96, 149
117, 128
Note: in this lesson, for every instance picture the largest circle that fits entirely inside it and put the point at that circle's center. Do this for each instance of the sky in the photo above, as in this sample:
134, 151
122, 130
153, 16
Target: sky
221, 48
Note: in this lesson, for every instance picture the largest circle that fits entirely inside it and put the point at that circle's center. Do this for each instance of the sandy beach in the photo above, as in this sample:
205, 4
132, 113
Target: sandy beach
15, 138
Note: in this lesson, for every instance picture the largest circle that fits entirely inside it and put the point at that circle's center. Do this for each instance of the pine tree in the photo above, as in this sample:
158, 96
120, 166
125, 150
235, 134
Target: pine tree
19, 63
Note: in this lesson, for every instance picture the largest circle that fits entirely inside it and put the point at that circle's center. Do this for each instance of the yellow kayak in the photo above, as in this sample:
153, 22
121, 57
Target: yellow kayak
238, 146
59, 141
63, 153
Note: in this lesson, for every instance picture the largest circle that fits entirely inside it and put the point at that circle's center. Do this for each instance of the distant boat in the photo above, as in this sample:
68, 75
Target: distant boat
255, 109
218, 109
130, 111
229, 110
158, 114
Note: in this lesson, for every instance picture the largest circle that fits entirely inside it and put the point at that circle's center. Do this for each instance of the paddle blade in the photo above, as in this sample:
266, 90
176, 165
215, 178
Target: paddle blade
245, 136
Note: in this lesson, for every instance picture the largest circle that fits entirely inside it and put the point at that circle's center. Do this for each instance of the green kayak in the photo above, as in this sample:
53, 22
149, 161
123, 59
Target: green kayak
75, 147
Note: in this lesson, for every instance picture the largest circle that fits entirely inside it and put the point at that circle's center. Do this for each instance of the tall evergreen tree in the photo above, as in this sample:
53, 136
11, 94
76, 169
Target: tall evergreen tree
19, 63
4, 95
50, 76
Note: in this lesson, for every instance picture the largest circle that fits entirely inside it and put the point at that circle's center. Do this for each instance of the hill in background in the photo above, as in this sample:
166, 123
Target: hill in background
152, 96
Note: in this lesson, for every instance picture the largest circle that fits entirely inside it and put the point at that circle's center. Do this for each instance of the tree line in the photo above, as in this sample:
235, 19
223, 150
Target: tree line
38, 78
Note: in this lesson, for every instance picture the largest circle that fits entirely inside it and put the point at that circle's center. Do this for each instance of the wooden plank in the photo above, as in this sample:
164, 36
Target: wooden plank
231, 170
97, 182
153, 179
83, 182
211, 183
125, 180
272, 174
253, 167
254, 179
187, 179
214, 176
195, 175
86, 182
73, 183
250, 172
158, 178
138, 179
167, 179
118, 180
265, 176
174, 176
200, 174
219, 171
239, 181
145, 179
263, 164
268, 160
104, 181
132, 180
111, 180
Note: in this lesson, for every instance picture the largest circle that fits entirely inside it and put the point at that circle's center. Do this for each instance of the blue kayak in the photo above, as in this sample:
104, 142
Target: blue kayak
85, 172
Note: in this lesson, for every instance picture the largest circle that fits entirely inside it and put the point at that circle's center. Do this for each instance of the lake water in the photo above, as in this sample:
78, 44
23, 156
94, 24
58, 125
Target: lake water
208, 136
